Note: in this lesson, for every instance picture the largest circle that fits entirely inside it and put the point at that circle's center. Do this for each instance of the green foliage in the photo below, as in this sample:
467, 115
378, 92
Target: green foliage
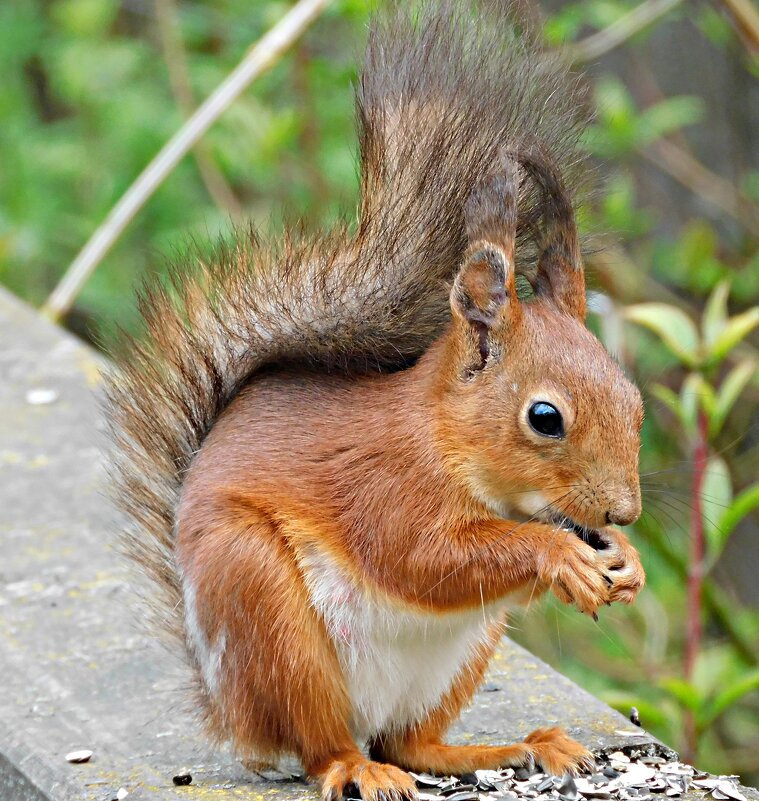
86, 102
622, 127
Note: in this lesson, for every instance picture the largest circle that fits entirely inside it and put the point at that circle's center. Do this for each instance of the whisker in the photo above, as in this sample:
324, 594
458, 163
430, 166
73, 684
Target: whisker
683, 495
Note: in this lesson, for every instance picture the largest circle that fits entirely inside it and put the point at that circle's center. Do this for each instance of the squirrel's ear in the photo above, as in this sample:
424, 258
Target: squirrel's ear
484, 294
560, 275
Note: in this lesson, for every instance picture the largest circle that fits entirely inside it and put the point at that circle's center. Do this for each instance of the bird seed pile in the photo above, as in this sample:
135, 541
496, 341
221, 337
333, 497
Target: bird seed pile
619, 778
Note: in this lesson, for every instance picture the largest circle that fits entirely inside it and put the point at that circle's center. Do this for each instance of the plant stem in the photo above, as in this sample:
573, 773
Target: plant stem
260, 57
174, 55
696, 567
715, 600
746, 19
619, 32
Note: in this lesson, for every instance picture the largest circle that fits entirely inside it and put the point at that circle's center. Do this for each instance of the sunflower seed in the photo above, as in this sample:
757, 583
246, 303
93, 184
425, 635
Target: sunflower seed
590, 790
728, 789
637, 775
567, 788
706, 784
78, 757
41, 397
456, 787
467, 795
425, 780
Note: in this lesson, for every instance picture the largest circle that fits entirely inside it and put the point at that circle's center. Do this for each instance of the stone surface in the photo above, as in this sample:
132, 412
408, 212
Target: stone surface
77, 670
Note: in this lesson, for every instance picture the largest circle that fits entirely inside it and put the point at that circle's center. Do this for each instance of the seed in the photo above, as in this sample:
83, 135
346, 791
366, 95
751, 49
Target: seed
78, 757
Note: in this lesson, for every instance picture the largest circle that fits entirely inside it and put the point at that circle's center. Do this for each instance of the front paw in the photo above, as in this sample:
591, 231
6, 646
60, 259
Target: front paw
574, 572
622, 564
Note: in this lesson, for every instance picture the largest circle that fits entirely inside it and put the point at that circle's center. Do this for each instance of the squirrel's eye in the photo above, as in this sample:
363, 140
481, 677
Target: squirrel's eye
546, 419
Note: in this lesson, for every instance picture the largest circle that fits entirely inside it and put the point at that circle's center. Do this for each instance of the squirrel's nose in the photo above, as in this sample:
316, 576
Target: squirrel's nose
623, 502
623, 513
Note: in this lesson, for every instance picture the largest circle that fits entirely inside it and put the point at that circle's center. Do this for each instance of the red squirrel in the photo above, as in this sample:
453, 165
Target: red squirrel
345, 458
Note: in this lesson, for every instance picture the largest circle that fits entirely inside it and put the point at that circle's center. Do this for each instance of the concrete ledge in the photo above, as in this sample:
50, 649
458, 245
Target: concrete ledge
77, 670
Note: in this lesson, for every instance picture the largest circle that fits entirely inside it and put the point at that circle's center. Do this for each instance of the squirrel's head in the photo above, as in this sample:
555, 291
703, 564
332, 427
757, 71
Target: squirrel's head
542, 421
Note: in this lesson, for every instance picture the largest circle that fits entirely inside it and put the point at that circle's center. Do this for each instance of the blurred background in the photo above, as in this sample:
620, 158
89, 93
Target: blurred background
92, 89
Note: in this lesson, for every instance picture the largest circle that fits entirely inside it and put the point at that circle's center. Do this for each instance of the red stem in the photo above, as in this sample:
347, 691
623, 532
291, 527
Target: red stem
695, 573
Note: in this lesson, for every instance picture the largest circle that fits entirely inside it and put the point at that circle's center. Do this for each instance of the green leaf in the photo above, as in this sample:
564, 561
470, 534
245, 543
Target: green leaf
736, 329
564, 25
615, 132
729, 696
729, 391
744, 503
715, 313
675, 329
714, 26
716, 497
683, 692
667, 116
669, 398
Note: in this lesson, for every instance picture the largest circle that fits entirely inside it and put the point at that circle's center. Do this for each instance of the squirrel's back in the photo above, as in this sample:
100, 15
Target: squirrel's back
442, 91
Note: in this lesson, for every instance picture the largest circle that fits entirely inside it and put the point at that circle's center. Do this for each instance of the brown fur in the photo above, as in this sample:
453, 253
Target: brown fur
338, 396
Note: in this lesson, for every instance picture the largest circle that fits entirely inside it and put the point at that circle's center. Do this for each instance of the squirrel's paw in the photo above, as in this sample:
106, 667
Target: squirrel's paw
375, 781
557, 753
622, 565
573, 571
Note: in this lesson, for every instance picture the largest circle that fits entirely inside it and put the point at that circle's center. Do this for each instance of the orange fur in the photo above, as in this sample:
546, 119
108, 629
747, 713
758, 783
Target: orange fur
379, 472
305, 510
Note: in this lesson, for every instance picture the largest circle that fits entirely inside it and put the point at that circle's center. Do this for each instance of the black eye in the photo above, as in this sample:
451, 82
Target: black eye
546, 419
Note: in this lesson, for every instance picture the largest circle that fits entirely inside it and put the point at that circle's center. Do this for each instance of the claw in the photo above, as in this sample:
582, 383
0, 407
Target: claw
588, 764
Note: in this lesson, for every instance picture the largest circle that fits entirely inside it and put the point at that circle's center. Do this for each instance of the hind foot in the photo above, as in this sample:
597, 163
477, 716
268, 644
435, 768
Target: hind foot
552, 749
374, 781
557, 753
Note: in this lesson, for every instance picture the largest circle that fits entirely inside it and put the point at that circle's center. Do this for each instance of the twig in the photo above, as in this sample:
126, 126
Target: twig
695, 584
614, 35
259, 58
179, 77
676, 158
746, 19
692, 174
308, 131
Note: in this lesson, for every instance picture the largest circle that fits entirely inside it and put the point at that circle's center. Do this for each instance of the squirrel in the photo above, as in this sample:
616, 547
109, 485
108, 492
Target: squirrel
345, 458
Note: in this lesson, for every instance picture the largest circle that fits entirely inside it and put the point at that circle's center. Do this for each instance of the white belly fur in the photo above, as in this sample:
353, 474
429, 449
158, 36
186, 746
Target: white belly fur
397, 661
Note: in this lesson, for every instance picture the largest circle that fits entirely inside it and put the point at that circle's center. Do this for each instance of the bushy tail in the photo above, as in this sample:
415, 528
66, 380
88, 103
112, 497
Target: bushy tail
441, 91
